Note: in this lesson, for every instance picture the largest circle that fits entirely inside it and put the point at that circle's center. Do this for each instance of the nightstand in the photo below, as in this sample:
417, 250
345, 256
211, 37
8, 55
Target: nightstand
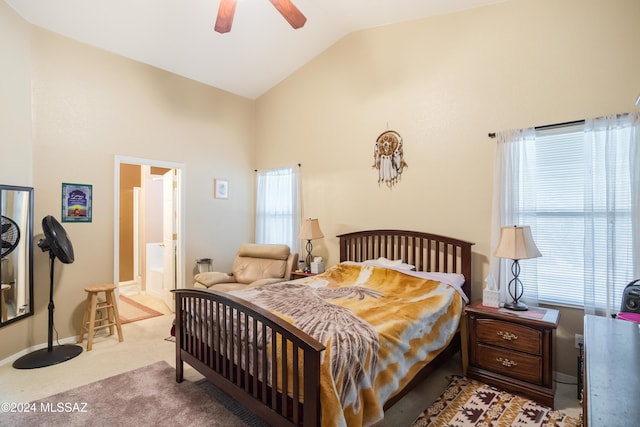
300, 275
513, 350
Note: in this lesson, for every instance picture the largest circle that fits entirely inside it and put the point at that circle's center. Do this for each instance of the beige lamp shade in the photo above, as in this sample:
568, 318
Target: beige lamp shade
310, 230
516, 243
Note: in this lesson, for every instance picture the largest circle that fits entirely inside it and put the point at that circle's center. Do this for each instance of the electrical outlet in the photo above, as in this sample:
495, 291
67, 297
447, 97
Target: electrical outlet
579, 340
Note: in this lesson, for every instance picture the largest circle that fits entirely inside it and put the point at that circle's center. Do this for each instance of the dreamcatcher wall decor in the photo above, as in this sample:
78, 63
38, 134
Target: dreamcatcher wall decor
388, 158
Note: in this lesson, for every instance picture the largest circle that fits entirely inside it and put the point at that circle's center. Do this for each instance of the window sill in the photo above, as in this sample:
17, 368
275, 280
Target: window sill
560, 304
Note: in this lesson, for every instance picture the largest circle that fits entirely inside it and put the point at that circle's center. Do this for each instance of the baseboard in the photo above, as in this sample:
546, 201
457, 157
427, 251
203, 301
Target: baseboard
565, 378
14, 357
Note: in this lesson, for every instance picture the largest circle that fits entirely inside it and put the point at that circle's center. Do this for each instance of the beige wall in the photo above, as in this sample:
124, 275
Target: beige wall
15, 100
443, 83
88, 107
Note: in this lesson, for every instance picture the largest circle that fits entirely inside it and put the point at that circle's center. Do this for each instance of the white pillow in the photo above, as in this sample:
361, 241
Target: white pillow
385, 262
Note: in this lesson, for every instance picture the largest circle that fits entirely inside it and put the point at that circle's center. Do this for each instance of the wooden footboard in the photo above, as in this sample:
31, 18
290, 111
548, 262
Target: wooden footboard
237, 346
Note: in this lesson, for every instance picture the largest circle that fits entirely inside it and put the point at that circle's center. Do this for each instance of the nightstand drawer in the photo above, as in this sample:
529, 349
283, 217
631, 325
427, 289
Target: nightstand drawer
509, 335
516, 365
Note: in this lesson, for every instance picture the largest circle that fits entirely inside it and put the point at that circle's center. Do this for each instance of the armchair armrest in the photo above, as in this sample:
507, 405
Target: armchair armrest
211, 278
292, 265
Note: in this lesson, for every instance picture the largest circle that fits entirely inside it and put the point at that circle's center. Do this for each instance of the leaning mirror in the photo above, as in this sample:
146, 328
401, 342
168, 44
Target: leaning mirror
16, 265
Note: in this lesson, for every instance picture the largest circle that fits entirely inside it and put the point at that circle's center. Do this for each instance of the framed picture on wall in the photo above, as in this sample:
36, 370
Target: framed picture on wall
220, 188
76, 202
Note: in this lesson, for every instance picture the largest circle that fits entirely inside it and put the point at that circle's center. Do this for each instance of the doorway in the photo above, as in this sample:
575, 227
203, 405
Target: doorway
148, 228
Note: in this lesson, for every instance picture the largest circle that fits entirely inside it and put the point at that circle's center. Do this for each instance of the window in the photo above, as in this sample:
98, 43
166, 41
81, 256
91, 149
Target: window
577, 187
277, 207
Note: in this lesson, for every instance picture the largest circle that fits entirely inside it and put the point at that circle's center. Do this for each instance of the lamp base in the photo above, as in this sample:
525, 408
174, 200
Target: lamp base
307, 266
47, 356
516, 306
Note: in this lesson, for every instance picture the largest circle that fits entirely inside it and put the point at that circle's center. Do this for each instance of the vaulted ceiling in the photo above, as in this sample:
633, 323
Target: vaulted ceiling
261, 49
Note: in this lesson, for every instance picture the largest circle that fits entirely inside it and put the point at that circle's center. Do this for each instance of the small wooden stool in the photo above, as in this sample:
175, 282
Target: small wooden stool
89, 319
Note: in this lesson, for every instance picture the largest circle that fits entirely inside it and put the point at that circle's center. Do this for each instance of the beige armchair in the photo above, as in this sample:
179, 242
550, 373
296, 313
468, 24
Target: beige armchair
254, 265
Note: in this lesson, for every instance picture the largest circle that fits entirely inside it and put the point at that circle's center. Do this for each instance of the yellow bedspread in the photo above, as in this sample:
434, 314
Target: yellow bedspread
380, 327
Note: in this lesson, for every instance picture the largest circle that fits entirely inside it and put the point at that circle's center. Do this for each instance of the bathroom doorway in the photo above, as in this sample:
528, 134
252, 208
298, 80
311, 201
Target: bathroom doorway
148, 228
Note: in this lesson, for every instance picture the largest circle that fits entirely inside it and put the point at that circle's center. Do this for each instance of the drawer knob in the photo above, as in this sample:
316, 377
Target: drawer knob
506, 362
507, 335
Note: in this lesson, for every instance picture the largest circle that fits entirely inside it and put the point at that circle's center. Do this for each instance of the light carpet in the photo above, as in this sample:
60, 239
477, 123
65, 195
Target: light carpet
132, 311
148, 396
467, 402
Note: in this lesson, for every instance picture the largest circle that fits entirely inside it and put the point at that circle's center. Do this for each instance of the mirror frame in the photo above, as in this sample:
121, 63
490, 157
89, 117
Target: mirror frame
27, 238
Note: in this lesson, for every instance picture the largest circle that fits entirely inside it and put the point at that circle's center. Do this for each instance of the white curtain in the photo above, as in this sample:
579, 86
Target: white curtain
612, 209
278, 207
515, 148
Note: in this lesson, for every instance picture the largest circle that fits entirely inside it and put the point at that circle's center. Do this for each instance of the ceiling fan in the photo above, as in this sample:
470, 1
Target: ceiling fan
227, 9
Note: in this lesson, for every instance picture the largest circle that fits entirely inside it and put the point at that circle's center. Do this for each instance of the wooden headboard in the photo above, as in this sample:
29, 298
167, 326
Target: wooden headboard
428, 252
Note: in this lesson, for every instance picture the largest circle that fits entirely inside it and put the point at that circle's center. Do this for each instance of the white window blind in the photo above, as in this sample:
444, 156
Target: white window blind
564, 200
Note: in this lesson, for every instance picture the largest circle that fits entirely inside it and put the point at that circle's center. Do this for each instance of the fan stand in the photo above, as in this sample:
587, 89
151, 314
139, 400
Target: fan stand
50, 355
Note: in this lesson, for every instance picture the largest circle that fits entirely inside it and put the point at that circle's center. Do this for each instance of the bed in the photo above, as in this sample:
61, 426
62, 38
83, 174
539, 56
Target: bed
278, 371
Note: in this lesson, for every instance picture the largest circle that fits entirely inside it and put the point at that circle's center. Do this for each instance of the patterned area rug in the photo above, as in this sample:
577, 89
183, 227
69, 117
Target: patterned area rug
132, 311
467, 402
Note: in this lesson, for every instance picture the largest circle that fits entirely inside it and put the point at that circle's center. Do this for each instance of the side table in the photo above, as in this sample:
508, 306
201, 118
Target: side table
513, 350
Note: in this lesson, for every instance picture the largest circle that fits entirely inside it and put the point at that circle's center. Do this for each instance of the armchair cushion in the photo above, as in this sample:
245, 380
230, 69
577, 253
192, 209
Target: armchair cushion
254, 265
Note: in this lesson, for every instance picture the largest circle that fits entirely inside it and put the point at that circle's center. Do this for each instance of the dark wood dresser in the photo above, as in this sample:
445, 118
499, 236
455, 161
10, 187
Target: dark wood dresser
611, 372
513, 350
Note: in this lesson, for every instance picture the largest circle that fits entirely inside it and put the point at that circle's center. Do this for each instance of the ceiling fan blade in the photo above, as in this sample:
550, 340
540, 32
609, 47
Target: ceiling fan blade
291, 13
226, 10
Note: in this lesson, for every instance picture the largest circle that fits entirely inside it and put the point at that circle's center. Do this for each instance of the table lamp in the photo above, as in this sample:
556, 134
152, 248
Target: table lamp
309, 231
516, 243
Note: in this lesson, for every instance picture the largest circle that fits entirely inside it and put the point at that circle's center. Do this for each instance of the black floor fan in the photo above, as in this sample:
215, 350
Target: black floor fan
59, 246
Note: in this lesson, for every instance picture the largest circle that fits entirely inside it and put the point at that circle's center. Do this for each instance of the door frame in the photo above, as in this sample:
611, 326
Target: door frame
181, 224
